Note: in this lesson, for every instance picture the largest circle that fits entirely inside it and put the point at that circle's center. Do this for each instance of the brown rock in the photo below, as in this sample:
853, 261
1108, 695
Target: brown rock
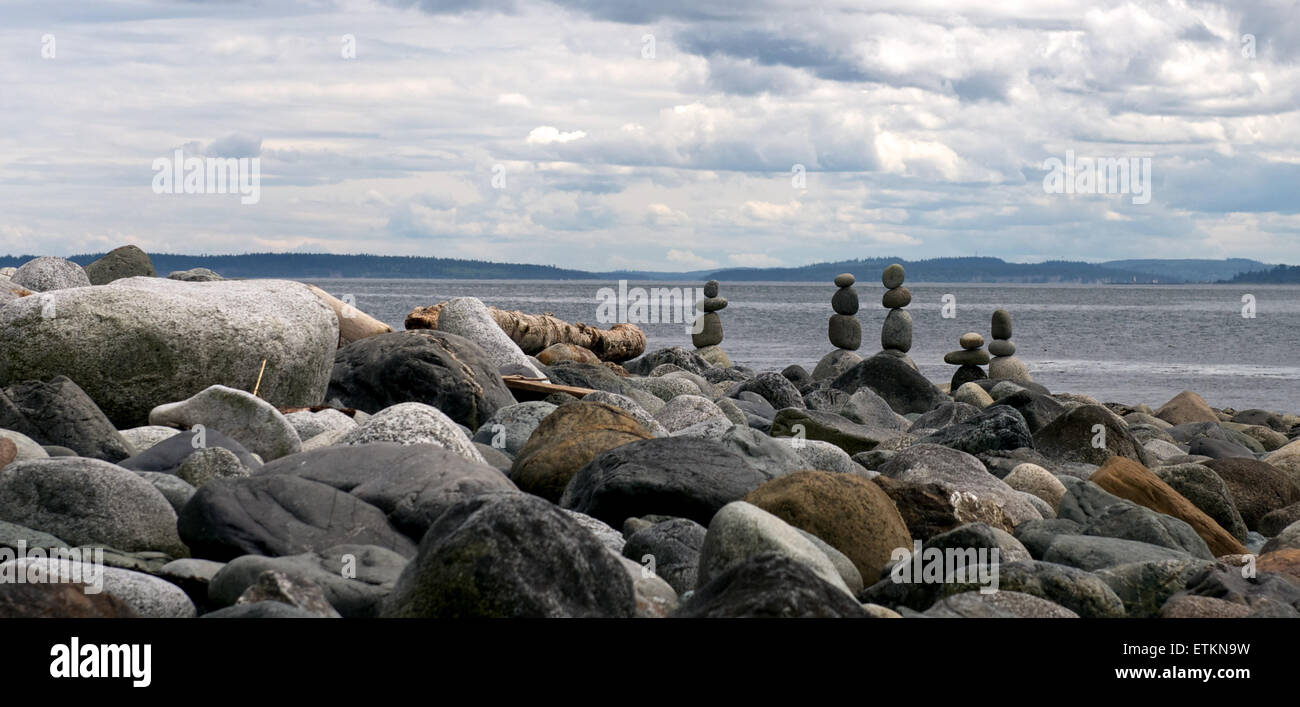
8, 451
59, 601
566, 440
555, 353
1186, 407
1284, 562
1190, 606
849, 512
928, 509
1128, 479
1256, 488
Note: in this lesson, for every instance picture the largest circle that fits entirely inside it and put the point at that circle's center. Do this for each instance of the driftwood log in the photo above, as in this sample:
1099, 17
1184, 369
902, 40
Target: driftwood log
354, 324
535, 332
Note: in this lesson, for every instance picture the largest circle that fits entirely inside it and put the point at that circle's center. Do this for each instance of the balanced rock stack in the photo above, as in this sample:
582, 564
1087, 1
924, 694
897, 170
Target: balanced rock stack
1005, 364
896, 333
843, 329
968, 359
710, 335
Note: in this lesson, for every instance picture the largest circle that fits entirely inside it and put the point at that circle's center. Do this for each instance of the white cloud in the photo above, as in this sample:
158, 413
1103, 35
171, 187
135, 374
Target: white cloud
546, 134
690, 260
756, 260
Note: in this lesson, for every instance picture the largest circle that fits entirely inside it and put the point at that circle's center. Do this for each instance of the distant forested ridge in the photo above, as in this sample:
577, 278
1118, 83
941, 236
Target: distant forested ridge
1280, 275
324, 265
311, 266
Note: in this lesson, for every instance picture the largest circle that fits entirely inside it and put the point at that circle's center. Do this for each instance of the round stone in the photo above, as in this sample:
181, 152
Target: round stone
892, 276
844, 279
844, 332
714, 304
971, 340
896, 298
845, 301
896, 332
1010, 368
967, 357
1001, 324
1002, 347
965, 374
711, 288
711, 334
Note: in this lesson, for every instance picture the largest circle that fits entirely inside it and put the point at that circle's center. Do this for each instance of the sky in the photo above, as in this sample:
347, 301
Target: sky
668, 135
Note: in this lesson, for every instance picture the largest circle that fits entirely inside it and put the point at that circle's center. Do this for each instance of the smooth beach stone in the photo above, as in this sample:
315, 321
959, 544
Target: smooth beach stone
1187, 407
210, 463
470, 318
1001, 324
971, 357
834, 363
61, 413
896, 298
845, 301
971, 340
844, 280
711, 333
711, 288
844, 331
741, 530
127, 261
257, 424
967, 373
510, 427
194, 275
713, 304
1002, 347
1009, 368
48, 273
896, 332
775, 388
414, 423
770, 585
892, 276
714, 355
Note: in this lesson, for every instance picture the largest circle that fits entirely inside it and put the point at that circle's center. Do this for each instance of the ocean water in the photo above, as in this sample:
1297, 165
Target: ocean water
1121, 343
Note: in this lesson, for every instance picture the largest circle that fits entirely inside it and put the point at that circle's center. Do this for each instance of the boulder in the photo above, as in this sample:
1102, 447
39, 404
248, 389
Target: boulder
48, 273
568, 439
257, 425
1130, 480
1186, 407
829, 427
147, 596
958, 472
685, 477
511, 556
1074, 437
1256, 488
436, 368
414, 423
126, 261
280, 514
89, 502
66, 600
848, 512
671, 549
353, 578
998, 605
686, 410
470, 318
139, 342
411, 484
60, 413
891, 378
207, 464
775, 388
769, 585
1034, 479
929, 509
997, 427
194, 275
510, 427
741, 530
168, 455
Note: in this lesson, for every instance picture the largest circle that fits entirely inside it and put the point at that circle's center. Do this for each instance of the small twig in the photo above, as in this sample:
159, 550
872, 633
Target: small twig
259, 378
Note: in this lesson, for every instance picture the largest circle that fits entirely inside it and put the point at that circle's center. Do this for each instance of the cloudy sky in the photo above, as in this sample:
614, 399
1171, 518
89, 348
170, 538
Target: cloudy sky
669, 135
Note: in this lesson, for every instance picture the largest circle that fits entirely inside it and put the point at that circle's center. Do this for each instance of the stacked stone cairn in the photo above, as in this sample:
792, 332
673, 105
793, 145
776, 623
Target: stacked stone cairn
844, 331
1005, 365
896, 333
968, 360
710, 336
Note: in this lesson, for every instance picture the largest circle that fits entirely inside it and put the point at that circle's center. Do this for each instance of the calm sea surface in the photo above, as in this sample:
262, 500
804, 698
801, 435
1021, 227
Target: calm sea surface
1123, 343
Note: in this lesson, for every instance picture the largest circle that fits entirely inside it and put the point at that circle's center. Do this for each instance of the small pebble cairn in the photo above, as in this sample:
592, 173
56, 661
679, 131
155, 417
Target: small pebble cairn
706, 342
896, 333
1005, 364
968, 360
844, 330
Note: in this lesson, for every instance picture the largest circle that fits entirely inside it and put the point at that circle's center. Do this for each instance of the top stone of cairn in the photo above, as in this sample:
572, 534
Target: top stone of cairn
844, 279
893, 276
1001, 324
711, 288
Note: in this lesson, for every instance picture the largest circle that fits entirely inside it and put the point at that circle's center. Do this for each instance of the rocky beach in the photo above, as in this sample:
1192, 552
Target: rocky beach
186, 445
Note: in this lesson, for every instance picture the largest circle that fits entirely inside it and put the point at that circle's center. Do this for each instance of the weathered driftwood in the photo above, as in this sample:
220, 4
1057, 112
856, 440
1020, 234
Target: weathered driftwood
535, 332
354, 324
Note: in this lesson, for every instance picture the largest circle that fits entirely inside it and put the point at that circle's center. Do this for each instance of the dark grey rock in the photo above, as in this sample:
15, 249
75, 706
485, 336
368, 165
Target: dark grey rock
60, 413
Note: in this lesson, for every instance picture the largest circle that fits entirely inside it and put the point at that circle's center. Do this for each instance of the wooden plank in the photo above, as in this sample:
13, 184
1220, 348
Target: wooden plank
540, 386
